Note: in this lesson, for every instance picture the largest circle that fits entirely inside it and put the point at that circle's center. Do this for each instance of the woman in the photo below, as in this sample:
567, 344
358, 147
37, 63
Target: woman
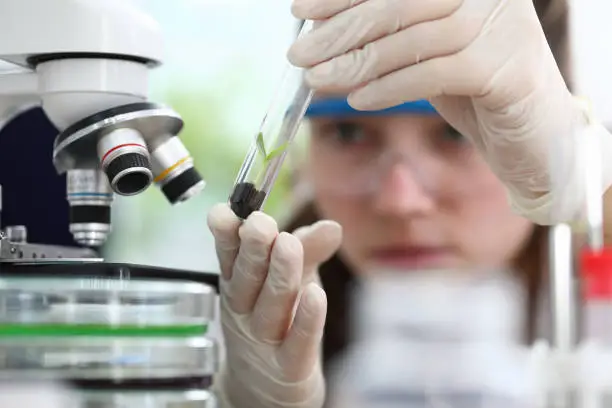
408, 191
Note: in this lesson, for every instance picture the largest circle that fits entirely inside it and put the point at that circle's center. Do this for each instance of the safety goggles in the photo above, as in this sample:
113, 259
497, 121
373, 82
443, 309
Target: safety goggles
447, 170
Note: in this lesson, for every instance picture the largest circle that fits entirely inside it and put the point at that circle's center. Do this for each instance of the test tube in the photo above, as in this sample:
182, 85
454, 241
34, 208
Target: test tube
269, 149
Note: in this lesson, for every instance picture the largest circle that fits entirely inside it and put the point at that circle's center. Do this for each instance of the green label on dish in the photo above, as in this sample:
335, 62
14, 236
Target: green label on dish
98, 330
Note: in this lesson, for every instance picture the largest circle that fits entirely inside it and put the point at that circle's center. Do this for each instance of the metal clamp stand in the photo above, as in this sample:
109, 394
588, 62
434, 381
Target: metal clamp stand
567, 354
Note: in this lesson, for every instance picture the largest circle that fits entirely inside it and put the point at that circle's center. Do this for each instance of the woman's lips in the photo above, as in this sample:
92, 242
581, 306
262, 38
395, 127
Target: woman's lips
412, 257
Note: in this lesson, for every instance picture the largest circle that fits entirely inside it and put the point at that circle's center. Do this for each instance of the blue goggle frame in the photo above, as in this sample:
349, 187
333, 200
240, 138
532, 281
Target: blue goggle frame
339, 107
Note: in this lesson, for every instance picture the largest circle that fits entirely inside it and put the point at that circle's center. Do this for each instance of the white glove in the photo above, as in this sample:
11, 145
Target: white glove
486, 67
272, 310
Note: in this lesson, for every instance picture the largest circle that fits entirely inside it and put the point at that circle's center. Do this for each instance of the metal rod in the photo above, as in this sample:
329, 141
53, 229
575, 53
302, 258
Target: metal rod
592, 168
562, 291
564, 302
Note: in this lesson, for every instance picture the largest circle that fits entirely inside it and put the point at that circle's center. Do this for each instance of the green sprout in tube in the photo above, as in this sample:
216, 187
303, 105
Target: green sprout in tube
267, 157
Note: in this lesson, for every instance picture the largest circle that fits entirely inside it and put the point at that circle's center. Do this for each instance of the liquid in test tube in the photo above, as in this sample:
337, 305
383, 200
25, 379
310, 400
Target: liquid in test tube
269, 149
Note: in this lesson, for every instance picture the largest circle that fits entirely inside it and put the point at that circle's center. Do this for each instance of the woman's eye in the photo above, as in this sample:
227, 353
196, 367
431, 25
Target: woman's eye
348, 133
451, 134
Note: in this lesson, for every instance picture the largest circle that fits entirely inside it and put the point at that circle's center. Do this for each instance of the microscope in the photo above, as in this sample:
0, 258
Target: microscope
87, 64
64, 312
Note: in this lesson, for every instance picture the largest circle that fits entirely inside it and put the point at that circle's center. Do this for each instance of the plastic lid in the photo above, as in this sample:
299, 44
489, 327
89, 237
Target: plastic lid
154, 399
86, 305
596, 273
110, 359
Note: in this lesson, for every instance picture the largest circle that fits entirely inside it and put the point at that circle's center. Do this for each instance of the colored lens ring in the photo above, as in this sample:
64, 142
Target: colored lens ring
170, 169
94, 330
339, 107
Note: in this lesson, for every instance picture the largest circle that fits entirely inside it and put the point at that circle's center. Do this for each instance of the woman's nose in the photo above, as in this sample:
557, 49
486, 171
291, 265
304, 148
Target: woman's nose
403, 191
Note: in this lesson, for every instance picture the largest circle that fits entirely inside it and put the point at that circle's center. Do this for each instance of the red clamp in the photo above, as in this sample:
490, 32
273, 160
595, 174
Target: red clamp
596, 273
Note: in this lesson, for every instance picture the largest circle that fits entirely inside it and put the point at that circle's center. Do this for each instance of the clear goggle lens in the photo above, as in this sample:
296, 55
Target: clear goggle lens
443, 169
387, 171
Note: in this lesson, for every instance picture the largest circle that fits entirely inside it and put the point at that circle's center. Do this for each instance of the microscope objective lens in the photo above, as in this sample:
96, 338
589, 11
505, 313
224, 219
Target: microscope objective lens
125, 160
174, 171
90, 197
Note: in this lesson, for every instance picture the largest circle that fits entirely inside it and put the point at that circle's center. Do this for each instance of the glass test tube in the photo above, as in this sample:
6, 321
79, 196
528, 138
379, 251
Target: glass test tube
269, 149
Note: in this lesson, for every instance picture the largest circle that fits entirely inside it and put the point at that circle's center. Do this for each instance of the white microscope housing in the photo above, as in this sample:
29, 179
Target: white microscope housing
87, 63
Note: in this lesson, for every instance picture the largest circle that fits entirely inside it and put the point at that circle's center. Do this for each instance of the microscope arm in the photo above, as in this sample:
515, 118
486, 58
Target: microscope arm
18, 91
77, 57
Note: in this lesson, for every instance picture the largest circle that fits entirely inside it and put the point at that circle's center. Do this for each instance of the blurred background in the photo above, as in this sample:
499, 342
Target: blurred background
223, 60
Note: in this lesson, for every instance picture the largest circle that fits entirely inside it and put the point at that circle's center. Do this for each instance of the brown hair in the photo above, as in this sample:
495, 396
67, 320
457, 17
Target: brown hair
337, 279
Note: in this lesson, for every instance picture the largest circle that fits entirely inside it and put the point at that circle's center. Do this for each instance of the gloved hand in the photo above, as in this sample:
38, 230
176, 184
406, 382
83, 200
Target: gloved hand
486, 67
272, 310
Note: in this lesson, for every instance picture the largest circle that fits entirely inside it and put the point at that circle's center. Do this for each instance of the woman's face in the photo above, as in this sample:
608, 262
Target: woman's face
410, 193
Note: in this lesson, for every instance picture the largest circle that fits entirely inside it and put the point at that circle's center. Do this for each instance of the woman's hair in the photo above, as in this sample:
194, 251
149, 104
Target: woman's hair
554, 16
338, 280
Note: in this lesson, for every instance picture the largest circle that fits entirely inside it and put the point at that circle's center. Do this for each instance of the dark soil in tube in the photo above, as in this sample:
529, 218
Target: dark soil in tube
246, 199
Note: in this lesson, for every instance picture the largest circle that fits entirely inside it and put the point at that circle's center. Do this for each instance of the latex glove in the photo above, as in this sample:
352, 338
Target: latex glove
484, 64
272, 310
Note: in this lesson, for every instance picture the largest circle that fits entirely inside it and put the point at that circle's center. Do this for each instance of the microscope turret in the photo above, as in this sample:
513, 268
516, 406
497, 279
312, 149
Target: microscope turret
87, 64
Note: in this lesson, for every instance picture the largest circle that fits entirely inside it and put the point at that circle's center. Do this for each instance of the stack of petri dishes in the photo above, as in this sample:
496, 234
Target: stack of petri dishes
124, 338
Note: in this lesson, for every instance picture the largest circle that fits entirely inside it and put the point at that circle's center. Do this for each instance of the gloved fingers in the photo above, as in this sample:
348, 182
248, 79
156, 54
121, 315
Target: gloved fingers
436, 77
320, 241
224, 226
465, 73
273, 311
461, 113
257, 235
360, 25
479, 68
418, 43
319, 10
300, 350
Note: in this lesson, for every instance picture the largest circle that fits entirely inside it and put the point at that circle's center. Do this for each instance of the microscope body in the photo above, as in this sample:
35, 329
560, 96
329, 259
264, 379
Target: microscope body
87, 64
77, 57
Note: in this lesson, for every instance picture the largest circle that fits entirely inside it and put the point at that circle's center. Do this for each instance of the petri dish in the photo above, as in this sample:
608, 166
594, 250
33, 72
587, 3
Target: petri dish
169, 384
116, 360
98, 306
136, 399
104, 270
